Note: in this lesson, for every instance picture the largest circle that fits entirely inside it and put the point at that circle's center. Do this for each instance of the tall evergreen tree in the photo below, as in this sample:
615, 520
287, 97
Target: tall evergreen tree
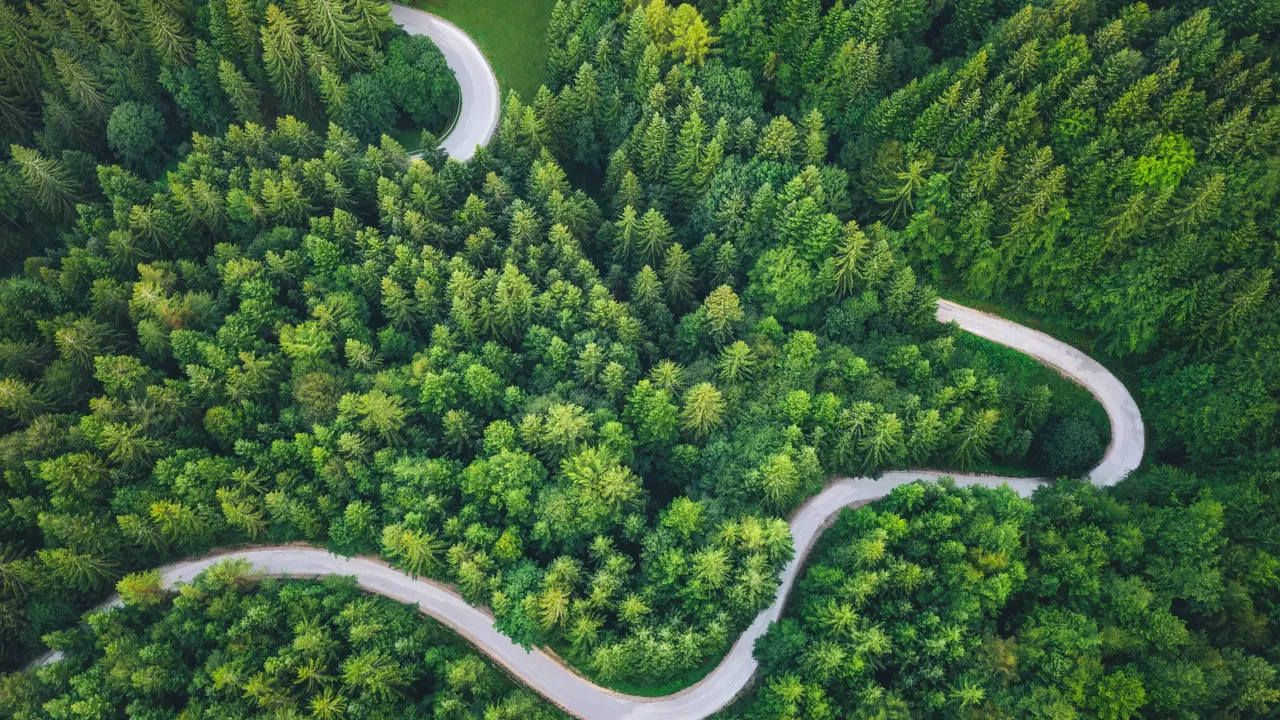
283, 60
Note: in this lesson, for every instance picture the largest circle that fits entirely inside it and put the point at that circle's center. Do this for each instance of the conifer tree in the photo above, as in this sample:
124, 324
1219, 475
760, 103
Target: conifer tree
84, 89
374, 17
630, 193
114, 18
688, 158
778, 141
171, 40
677, 276
283, 59
46, 179
245, 35
329, 23
19, 53
654, 235
245, 99
703, 410
653, 150
647, 72
690, 38
626, 232
636, 40
815, 139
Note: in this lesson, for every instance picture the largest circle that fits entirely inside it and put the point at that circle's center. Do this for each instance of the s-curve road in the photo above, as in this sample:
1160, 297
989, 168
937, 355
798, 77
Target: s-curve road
478, 115
584, 699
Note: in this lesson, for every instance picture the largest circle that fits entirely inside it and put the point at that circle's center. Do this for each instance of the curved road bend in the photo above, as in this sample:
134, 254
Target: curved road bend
478, 117
584, 699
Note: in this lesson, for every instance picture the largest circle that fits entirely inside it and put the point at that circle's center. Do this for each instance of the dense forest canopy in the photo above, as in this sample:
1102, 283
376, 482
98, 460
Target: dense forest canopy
129, 81
586, 376
226, 646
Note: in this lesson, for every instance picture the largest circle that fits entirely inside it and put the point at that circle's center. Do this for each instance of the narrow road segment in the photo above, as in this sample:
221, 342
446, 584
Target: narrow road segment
584, 699
478, 116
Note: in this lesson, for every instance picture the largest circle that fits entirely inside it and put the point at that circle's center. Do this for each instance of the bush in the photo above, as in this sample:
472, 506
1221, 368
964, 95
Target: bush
1070, 447
367, 111
133, 131
420, 83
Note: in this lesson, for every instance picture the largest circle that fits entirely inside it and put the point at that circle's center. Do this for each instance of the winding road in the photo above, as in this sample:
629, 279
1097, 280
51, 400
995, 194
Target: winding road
475, 125
579, 696
478, 116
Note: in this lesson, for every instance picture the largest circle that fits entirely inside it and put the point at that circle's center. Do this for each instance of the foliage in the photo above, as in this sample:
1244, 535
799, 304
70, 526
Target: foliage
448, 364
229, 645
593, 411
129, 80
949, 602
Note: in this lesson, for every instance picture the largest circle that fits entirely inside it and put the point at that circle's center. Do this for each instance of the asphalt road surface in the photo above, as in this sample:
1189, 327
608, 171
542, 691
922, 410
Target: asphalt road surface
579, 696
478, 117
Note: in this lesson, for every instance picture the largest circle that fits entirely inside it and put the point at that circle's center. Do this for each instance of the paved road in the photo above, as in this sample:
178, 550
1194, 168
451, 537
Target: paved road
577, 695
478, 117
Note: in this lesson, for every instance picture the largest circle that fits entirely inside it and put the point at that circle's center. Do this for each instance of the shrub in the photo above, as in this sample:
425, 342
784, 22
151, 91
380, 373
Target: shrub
1071, 446
419, 82
367, 111
133, 131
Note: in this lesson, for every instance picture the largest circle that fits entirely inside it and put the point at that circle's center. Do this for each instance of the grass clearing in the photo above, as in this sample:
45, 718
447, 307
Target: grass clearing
512, 34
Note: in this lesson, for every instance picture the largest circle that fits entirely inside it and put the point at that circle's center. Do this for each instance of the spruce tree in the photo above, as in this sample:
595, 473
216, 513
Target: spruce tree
20, 55
815, 139
677, 276
778, 141
283, 60
244, 98
654, 236
84, 89
170, 39
329, 23
373, 17
47, 181
114, 18
246, 37
688, 157
653, 151
690, 38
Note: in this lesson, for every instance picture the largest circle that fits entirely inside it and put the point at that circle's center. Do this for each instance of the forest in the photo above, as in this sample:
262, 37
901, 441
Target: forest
586, 376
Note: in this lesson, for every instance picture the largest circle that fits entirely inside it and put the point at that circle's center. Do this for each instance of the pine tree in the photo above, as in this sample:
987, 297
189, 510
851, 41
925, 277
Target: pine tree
690, 38
245, 99
47, 181
170, 39
677, 276
374, 17
688, 158
329, 23
653, 150
84, 89
778, 141
654, 235
282, 56
815, 139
